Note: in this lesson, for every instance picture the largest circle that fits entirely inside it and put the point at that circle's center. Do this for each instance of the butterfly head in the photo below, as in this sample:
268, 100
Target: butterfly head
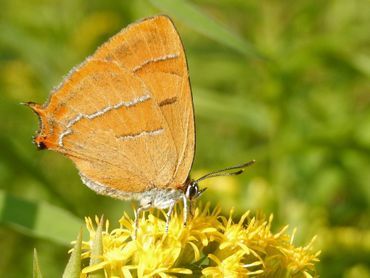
192, 191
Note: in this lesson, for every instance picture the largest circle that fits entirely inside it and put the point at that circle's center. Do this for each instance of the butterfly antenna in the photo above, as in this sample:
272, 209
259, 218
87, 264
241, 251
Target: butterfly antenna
225, 171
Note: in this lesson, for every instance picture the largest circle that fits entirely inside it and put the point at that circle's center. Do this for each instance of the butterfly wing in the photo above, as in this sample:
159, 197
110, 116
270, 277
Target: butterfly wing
152, 50
125, 116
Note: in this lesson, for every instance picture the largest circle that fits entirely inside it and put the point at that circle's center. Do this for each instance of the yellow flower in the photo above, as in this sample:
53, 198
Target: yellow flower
210, 245
231, 266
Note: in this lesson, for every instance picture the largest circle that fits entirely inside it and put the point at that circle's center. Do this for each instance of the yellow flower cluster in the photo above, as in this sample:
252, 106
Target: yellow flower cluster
210, 245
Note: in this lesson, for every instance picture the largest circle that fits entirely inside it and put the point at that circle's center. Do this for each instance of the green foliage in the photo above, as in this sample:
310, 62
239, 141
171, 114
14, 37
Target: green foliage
36, 267
38, 219
73, 268
196, 19
302, 113
97, 251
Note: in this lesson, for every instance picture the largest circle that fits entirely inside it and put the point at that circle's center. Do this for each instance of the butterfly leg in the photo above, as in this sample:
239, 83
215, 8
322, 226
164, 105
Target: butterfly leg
169, 213
137, 215
185, 201
191, 208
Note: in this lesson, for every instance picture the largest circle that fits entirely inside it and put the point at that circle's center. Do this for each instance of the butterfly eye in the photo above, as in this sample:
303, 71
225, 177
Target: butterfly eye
192, 191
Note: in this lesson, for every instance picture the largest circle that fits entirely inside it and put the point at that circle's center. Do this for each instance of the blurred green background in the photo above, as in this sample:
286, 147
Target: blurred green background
282, 82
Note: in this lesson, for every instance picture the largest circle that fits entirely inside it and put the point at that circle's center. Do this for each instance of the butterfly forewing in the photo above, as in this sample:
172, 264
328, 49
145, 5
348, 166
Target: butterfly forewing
125, 116
153, 50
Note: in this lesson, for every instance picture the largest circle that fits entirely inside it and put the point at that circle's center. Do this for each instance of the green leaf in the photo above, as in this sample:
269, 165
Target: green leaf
97, 251
204, 24
73, 268
15, 158
36, 267
248, 115
38, 219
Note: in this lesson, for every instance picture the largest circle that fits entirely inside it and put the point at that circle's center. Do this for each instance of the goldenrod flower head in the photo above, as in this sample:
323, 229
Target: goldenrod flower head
210, 245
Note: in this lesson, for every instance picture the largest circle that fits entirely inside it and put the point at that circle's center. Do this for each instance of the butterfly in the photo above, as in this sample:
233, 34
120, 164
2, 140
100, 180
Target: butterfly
125, 118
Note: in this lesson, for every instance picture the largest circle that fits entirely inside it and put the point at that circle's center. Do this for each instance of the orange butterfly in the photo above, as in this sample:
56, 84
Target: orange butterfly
125, 117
